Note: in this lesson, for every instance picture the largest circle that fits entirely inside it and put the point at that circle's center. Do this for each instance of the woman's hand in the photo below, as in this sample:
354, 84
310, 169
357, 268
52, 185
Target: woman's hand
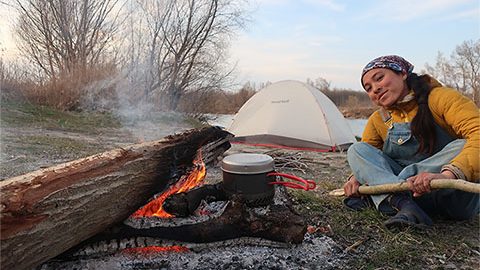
420, 183
351, 187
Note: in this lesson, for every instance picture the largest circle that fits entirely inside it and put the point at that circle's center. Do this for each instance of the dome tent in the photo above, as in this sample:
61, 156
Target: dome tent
292, 114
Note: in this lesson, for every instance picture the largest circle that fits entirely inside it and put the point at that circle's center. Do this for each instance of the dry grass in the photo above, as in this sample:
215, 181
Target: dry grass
95, 89
64, 92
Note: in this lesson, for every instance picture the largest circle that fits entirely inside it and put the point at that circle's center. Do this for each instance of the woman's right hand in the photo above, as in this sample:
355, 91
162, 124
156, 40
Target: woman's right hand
351, 187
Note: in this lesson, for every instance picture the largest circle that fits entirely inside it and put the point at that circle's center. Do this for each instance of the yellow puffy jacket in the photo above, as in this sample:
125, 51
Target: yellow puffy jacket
452, 111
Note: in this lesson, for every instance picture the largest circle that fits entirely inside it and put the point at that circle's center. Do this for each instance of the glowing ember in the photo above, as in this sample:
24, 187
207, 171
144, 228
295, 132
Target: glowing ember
186, 182
154, 250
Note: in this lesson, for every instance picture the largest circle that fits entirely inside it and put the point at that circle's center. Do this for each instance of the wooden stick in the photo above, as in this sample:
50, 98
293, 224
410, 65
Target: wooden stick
397, 187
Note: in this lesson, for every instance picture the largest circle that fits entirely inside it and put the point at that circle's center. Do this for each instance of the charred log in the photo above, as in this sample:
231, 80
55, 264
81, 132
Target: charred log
277, 223
46, 212
279, 228
184, 204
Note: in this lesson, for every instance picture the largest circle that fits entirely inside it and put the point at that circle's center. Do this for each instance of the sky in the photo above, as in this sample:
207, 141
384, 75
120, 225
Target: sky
334, 39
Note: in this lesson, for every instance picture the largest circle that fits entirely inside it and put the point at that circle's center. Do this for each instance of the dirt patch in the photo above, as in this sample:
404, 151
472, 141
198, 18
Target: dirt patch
34, 137
28, 149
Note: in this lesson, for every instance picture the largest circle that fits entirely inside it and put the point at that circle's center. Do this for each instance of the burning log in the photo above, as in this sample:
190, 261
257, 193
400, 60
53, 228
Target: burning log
276, 222
46, 212
219, 222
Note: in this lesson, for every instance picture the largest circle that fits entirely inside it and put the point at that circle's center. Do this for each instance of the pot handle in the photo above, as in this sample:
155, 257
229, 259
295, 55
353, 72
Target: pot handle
308, 184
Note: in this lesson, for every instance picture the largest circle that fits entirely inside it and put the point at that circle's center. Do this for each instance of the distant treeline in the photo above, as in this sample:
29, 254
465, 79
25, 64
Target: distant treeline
223, 102
217, 102
348, 98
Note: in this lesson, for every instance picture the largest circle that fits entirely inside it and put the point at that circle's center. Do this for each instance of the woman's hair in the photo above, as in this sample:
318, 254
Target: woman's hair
423, 124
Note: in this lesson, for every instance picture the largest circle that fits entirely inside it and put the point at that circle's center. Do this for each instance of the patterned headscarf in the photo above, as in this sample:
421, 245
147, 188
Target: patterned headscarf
393, 62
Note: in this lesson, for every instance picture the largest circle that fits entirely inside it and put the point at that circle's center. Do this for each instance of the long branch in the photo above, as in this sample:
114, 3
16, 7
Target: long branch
403, 186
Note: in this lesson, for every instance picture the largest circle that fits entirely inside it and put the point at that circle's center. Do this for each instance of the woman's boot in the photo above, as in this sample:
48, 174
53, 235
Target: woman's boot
409, 213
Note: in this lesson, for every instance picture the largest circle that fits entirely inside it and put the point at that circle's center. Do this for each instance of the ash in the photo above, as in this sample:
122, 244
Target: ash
316, 252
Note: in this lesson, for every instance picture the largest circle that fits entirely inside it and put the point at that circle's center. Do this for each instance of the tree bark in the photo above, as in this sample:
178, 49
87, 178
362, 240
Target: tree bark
398, 187
46, 212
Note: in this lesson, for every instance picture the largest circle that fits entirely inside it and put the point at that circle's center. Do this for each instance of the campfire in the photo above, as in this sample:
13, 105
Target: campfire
190, 216
187, 217
219, 223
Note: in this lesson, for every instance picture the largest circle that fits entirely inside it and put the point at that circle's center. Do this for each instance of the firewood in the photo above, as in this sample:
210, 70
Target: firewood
278, 223
398, 187
46, 212
221, 219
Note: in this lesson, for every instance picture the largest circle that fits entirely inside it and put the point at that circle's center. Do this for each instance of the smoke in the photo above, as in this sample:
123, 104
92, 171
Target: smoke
121, 95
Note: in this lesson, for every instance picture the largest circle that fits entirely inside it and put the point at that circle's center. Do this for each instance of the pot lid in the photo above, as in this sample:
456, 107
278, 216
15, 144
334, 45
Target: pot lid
245, 163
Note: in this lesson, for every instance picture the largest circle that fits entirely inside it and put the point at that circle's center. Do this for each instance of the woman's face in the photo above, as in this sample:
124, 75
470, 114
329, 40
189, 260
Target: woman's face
384, 86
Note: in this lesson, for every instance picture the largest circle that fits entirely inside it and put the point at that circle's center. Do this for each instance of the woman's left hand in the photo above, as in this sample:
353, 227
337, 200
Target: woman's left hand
420, 183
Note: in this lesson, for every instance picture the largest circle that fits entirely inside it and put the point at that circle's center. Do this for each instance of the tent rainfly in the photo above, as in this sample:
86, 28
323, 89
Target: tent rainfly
292, 114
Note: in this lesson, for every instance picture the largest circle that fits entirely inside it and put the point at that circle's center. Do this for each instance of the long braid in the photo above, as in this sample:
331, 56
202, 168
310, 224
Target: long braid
422, 126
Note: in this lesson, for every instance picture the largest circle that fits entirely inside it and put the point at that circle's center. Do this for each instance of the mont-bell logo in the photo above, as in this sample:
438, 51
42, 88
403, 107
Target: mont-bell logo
280, 101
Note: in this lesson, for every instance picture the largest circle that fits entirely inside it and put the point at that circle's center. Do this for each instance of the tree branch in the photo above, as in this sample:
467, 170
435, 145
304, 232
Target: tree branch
398, 187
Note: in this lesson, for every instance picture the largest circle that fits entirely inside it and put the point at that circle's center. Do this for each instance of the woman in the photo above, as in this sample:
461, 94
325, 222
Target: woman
421, 132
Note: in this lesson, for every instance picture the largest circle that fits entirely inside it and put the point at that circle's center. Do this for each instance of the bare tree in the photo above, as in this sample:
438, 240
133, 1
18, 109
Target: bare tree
467, 62
63, 36
186, 46
462, 70
444, 71
322, 84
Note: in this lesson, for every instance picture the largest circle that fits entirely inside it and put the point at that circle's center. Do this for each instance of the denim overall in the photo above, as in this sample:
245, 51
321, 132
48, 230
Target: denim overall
399, 160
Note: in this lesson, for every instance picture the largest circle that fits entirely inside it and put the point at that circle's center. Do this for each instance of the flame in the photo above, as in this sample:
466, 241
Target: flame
154, 249
186, 182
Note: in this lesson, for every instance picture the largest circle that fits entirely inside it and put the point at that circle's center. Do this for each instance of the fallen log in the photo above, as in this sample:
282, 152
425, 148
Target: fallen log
46, 212
403, 186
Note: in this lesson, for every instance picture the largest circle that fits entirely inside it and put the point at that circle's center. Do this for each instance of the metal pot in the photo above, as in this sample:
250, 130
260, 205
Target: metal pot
246, 175
253, 175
